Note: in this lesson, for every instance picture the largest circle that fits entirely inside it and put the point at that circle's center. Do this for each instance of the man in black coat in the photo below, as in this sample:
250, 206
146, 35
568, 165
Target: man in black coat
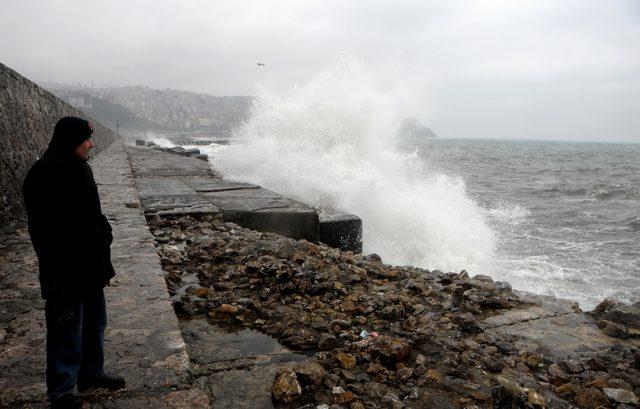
72, 239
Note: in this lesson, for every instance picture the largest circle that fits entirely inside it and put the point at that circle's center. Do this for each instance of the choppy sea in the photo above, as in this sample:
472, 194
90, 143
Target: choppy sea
566, 215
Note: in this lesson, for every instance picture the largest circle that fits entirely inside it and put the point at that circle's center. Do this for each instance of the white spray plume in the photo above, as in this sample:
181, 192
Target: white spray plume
330, 144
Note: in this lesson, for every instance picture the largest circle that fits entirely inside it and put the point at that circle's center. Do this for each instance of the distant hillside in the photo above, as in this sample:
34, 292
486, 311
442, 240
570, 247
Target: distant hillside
170, 111
109, 114
411, 128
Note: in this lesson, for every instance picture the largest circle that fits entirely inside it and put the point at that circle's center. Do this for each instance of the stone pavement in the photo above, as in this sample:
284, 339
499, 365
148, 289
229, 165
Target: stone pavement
143, 341
21, 323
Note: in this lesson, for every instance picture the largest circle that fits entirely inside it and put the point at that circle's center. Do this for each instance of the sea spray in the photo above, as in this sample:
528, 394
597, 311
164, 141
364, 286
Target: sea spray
330, 144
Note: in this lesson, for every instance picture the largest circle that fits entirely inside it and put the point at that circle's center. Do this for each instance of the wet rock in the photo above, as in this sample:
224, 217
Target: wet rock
471, 344
616, 383
613, 329
469, 324
187, 399
511, 387
492, 364
621, 396
327, 342
534, 360
171, 254
346, 361
373, 257
626, 315
536, 400
434, 376
340, 396
571, 366
390, 350
431, 398
565, 389
286, 388
599, 383
228, 309
404, 373
392, 312
596, 364
319, 323
201, 292
483, 394
348, 376
392, 401
310, 373
375, 390
591, 398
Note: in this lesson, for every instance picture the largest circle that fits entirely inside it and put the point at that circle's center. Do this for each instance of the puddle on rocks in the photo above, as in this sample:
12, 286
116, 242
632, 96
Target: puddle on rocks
208, 343
239, 365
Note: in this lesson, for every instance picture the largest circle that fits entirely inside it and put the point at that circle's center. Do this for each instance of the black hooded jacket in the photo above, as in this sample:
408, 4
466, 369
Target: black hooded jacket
69, 233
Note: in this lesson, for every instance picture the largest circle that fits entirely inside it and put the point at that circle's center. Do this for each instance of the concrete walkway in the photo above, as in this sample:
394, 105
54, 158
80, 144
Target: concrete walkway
179, 185
143, 340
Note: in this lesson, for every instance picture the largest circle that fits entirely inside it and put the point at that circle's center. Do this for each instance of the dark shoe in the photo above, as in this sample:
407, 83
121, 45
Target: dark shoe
66, 401
108, 381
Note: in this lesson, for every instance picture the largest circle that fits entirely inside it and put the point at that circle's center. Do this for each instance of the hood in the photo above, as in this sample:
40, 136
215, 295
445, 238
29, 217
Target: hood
69, 133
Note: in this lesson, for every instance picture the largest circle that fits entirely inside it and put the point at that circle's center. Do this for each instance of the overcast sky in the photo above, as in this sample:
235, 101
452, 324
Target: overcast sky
557, 69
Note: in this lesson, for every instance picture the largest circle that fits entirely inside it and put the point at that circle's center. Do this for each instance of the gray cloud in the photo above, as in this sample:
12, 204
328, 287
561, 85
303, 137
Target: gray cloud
565, 70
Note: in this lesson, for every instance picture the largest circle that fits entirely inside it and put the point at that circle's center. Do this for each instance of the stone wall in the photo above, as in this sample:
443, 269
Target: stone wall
28, 114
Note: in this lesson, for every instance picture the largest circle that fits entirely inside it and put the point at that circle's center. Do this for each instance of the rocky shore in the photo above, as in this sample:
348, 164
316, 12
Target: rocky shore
375, 335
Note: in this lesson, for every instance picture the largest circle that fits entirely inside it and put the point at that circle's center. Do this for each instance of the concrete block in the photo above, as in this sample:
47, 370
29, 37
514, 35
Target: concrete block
140, 142
162, 186
192, 152
297, 225
178, 150
177, 205
209, 184
341, 230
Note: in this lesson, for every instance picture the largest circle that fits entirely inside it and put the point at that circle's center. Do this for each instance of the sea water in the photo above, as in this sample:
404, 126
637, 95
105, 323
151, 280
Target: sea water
567, 215
548, 217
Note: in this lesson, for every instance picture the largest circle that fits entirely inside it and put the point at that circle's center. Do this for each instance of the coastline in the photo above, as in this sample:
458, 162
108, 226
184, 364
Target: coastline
264, 320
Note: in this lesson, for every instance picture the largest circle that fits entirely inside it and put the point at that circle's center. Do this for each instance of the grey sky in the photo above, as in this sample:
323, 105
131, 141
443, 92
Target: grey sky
544, 69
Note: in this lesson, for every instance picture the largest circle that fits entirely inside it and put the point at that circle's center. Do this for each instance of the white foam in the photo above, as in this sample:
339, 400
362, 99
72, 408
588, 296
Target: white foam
329, 143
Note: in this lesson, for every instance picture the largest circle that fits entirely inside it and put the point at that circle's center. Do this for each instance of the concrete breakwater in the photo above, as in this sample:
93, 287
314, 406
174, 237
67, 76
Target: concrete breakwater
170, 181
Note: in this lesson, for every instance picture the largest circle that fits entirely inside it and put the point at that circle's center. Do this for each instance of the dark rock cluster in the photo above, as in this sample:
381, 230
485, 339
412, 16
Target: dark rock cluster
618, 320
376, 335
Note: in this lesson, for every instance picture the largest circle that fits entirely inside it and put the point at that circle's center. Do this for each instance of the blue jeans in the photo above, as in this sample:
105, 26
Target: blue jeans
75, 339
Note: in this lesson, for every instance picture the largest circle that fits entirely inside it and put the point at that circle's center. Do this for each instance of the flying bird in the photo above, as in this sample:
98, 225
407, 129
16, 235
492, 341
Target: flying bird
261, 64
